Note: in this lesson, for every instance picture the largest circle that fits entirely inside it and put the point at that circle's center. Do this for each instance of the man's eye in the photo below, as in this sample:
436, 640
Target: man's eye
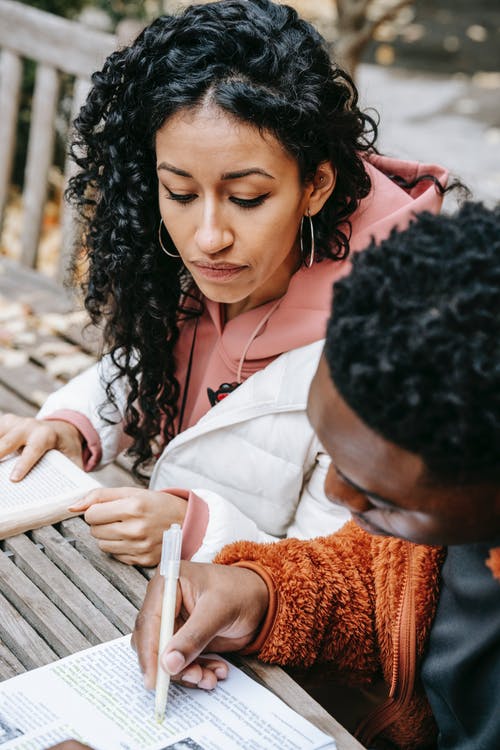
180, 197
249, 202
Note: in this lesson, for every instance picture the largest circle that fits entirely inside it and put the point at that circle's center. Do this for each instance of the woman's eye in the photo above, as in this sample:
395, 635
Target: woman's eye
249, 202
180, 197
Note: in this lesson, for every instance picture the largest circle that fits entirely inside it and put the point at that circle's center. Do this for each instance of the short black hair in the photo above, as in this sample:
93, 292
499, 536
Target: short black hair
413, 342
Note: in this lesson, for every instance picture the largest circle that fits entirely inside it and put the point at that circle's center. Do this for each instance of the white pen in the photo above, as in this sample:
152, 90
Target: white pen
169, 568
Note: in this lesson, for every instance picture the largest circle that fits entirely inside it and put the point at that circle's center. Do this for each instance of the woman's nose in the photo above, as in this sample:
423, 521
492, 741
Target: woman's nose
212, 235
338, 491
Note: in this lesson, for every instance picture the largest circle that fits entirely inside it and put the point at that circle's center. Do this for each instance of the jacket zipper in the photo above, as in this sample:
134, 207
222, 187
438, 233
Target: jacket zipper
404, 663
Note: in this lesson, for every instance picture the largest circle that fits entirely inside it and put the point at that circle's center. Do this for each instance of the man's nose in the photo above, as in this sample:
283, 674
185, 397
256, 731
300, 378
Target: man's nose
338, 491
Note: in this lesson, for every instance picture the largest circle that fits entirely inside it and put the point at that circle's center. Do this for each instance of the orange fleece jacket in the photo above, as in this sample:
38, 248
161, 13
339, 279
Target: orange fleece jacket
362, 602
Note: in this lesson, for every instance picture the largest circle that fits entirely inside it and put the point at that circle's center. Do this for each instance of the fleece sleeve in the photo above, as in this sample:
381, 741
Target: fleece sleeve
325, 599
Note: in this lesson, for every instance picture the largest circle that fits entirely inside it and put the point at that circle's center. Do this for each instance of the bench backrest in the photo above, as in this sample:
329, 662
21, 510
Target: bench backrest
57, 46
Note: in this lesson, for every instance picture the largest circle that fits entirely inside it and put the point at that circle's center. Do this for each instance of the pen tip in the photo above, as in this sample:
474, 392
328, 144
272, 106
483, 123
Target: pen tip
159, 716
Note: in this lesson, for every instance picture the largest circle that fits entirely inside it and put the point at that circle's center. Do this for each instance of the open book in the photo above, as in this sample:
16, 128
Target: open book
43, 496
97, 696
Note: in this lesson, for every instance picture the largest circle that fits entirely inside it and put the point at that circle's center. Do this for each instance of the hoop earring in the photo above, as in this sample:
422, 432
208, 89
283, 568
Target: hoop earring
171, 255
313, 244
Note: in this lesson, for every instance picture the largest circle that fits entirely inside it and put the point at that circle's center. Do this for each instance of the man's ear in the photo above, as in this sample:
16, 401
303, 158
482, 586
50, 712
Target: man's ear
323, 184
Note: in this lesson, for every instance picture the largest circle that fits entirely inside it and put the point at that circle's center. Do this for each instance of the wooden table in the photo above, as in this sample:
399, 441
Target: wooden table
58, 592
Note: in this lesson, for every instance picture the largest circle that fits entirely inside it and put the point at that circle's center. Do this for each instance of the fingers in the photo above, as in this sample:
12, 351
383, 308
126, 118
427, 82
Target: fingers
33, 447
34, 437
129, 552
204, 673
207, 619
145, 637
101, 495
124, 524
218, 606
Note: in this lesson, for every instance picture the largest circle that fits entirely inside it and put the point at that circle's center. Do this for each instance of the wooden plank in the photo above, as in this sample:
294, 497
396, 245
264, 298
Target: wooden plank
38, 610
21, 284
39, 159
294, 696
10, 665
89, 620
58, 309
112, 604
10, 402
21, 639
29, 382
71, 230
66, 45
125, 578
113, 475
10, 87
59, 358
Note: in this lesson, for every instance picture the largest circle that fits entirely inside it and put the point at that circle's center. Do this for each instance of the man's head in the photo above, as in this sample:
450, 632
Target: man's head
407, 397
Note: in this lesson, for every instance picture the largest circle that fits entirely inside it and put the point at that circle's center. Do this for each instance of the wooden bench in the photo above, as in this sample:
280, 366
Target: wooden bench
58, 47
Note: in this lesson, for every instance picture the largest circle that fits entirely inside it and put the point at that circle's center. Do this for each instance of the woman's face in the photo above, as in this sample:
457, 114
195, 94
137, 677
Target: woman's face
232, 200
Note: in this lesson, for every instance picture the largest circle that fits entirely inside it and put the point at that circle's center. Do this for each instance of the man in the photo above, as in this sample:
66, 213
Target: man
406, 401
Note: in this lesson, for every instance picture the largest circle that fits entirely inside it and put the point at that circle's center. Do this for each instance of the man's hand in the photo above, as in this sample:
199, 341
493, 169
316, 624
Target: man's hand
128, 522
34, 437
219, 608
69, 745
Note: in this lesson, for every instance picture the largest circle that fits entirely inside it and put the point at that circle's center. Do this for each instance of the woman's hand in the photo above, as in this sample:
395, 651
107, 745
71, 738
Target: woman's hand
34, 437
219, 608
128, 522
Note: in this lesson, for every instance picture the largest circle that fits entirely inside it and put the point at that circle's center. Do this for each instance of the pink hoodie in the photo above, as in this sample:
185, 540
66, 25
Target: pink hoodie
234, 351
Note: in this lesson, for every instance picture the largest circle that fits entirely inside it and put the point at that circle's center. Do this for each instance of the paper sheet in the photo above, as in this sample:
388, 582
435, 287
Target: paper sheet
43, 496
97, 696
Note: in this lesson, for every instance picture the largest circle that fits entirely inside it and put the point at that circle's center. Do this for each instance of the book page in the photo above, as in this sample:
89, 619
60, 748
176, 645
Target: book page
43, 496
97, 696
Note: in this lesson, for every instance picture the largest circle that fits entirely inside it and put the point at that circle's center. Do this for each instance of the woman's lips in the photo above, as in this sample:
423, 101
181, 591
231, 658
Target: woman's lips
222, 272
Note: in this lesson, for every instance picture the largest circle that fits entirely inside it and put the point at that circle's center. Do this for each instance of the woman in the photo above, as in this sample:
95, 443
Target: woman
225, 174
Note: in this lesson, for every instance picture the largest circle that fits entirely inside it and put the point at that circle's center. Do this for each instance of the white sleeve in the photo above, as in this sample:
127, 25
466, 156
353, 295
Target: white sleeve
86, 394
226, 524
316, 515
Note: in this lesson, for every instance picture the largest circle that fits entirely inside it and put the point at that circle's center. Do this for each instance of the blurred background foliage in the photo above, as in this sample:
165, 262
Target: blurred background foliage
440, 36
458, 40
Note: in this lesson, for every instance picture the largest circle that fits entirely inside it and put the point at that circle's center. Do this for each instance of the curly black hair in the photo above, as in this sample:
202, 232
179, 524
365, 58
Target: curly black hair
413, 343
261, 63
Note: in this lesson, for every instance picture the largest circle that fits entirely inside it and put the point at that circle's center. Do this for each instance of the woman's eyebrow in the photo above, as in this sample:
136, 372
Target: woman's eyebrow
245, 173
356, 487
171, 168
226, 176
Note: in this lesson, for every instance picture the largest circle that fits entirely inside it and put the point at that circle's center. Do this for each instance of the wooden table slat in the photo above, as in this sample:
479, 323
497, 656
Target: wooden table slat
20, 638
113, 475
39, 611
294, 696
11, 402
34, 289
112, 604
10, 666
84, 615
29, 382
125, 578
